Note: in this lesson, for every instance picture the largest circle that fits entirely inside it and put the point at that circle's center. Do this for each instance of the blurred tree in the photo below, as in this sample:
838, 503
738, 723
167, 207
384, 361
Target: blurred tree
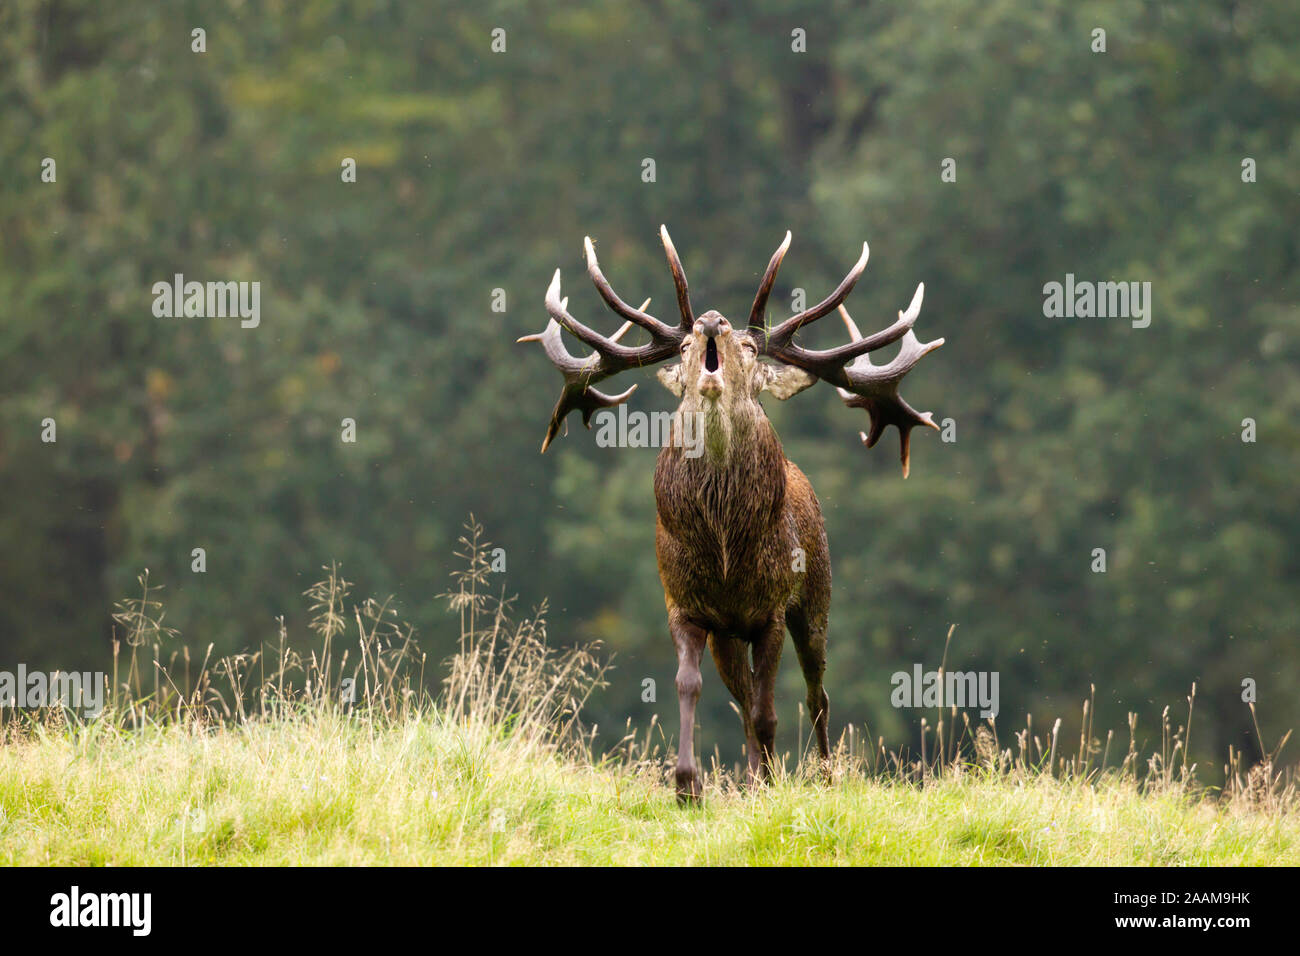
479, 171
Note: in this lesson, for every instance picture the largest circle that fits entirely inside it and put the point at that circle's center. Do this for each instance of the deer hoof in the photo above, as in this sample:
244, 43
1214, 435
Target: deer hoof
689, 787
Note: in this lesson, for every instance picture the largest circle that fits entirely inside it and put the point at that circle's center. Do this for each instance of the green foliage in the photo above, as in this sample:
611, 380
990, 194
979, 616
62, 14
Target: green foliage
479, 171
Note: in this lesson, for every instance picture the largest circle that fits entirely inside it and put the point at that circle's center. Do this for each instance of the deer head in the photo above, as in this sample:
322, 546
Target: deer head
721, 371
719, 379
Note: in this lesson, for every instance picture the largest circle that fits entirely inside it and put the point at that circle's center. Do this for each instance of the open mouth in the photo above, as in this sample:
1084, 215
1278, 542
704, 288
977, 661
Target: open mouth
711, 358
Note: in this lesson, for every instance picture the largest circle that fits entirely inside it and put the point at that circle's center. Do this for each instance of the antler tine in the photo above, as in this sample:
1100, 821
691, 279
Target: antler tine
877, 392
659, 330
875, 387
578, 374
854, 334
784, 332
679, 280
825, 363
558, 308
609, 358
758, 313
622, 330
861, 383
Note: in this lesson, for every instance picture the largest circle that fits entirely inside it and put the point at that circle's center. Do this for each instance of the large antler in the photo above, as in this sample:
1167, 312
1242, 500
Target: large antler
609, 357
860, 383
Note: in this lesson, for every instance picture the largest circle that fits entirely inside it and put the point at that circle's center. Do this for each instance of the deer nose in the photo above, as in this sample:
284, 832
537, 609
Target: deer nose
714, 325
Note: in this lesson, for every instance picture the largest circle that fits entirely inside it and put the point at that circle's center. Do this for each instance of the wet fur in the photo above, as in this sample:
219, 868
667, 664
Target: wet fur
728, 524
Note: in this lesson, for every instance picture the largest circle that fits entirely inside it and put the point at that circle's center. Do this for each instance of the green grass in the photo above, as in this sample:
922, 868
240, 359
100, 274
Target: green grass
258, 761
329, 789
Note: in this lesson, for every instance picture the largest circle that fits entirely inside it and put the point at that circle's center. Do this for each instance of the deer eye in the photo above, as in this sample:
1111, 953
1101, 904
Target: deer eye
686, 346
749, 347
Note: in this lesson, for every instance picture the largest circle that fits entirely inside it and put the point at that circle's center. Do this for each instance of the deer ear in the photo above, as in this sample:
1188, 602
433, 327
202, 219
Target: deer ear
783, 380
671, 377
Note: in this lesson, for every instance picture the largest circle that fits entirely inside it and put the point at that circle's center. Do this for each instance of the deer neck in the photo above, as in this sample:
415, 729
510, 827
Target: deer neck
721, 435
734, 485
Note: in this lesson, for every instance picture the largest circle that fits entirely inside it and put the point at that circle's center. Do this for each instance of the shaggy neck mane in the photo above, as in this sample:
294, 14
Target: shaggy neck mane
733, 491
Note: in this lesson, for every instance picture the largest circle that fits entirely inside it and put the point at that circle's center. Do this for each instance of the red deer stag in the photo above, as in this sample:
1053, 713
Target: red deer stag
740, 538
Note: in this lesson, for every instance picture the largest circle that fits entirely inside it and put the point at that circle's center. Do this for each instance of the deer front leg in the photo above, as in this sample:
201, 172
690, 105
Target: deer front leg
689, 640
767, 657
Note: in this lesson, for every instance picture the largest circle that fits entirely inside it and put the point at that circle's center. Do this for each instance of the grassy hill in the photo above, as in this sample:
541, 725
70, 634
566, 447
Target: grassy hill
326, 789
275, 758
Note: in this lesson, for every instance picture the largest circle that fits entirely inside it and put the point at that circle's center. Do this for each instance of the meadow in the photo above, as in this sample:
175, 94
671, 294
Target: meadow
339, 757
